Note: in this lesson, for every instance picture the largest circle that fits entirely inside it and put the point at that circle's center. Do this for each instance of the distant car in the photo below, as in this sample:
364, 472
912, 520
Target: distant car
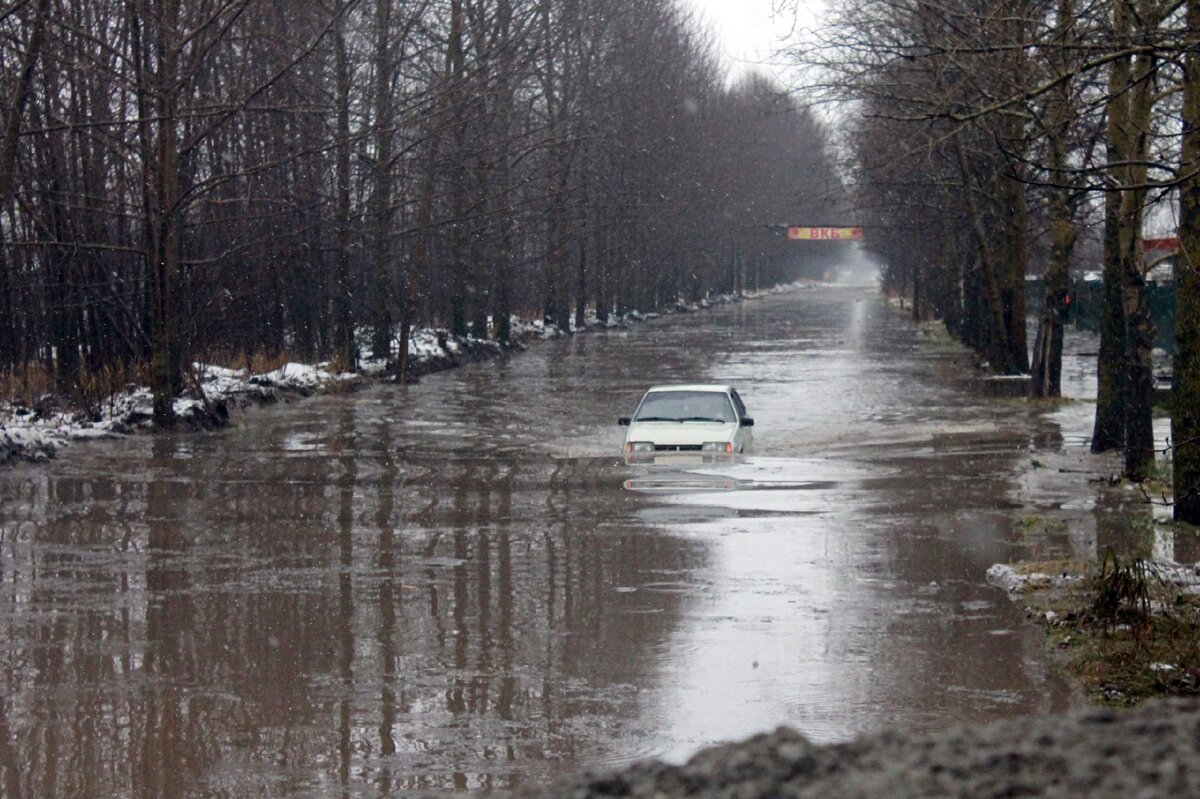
689, 418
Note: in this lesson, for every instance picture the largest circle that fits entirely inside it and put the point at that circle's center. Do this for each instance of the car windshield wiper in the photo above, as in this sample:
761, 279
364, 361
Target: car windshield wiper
657, 419
702, 419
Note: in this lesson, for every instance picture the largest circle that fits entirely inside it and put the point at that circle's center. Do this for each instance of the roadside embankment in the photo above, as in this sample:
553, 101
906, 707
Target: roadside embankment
38, 430
1126, 630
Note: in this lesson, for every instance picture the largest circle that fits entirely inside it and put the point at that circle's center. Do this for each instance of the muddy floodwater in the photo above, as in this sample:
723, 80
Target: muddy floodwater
461, 584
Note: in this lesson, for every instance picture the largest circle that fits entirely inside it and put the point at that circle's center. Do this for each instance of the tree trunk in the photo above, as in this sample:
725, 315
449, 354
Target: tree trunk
559, 268
946, 280
425, 211
1047, 358
501, 301
1185, 400
1046, 377
995, 337
345, 352
381, 193
918, 308
1013, 192
581, 290
160, 153
604, 268
1139, 327
1108, 433
61, 263
581, 281
483, 265
1139, 376
1016, 256
8, 158
460, 265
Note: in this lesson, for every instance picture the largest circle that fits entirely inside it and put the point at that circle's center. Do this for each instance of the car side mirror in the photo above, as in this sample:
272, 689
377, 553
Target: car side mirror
747, 423
623, 421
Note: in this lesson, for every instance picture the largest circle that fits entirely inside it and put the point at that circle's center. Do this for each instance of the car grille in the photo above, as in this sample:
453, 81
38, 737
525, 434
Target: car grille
677, 447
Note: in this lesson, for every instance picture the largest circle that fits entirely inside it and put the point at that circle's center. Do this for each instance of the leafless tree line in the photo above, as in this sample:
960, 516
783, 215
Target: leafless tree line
204, 178
991, 137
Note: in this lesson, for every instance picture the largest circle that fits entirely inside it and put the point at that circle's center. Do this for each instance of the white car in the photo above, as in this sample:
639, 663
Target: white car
689, 418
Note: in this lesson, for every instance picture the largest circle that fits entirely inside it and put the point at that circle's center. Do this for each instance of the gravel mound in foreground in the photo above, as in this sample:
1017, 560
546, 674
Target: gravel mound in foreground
1152, 751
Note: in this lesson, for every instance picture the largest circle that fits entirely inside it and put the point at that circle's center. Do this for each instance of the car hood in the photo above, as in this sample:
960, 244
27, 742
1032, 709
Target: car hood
680, 433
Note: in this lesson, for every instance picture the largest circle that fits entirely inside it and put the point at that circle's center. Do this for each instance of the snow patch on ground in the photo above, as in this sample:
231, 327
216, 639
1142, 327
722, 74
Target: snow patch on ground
1001, 575
37, 432
300, 375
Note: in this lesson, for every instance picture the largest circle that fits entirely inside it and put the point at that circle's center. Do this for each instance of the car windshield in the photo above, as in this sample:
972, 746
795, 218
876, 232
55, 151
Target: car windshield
685, 406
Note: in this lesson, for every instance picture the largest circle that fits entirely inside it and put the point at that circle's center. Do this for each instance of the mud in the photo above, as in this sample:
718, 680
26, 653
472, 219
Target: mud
1150, 752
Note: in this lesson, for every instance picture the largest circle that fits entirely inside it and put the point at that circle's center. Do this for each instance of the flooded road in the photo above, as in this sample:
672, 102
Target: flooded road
461, 585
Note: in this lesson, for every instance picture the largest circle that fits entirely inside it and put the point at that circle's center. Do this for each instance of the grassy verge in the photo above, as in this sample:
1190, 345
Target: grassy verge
1128, 630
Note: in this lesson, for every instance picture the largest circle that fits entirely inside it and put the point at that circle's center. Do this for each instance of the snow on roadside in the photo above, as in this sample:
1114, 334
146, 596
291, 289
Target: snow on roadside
1004, 576
300, 375
1186, 578
37, 433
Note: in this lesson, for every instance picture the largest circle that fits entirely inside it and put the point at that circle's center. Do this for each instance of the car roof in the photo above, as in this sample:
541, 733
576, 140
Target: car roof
691, 387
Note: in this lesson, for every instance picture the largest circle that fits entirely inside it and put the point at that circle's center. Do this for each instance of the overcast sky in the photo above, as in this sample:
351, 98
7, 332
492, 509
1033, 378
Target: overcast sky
747, 32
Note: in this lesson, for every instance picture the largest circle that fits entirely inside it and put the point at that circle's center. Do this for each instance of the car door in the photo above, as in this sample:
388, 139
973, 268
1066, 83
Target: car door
744, 437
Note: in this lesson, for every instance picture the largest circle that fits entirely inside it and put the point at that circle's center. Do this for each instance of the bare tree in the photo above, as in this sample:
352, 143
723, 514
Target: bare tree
1062, 200
343, 297
14, 111
1185, 413
188, 186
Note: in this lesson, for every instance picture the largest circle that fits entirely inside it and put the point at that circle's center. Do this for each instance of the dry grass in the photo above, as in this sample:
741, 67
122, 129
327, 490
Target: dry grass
25, 385
35, 386
1125, 633
338, 365
256, 362
96, 387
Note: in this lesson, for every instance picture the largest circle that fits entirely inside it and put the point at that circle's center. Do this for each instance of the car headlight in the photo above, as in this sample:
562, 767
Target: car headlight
639, 446
717, 446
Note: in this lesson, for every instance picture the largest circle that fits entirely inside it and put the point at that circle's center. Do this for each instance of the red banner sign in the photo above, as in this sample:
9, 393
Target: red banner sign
825, 233
1154, 245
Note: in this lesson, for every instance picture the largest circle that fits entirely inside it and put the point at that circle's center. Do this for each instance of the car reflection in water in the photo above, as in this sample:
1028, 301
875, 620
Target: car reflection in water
666, 473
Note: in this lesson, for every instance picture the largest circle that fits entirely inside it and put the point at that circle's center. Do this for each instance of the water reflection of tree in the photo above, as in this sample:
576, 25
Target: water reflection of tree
388, 597
10, 763
506, 624
1124, 526
170, 654
248, 624
345, 618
